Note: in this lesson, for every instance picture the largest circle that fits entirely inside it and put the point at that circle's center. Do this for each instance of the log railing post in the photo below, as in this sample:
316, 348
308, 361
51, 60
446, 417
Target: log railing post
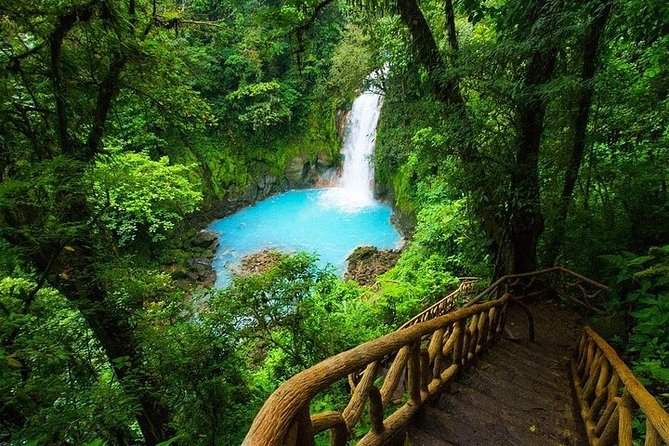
394, 375
413, 369
435, 351
425, 371
305, 431
625, 420
458, 334
335, 423
376, 410
610, 430
652, 436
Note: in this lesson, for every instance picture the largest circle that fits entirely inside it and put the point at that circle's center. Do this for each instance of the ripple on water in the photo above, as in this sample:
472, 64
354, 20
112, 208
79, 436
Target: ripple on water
302, 220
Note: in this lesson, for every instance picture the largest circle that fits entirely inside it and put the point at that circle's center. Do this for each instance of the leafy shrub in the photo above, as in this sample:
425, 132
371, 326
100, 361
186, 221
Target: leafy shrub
643, 285
139, 197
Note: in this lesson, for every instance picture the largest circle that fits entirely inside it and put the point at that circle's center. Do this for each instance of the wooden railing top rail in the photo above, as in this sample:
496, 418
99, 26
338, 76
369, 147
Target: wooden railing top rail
444, 305
448, 303
517, 279
594, 369
282, 408
513, 279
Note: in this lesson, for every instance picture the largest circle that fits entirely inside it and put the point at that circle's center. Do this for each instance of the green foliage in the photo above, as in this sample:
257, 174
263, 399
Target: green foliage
141, 198
284, 312
351, 63
643, 287
55, 384
264, 104
441, 248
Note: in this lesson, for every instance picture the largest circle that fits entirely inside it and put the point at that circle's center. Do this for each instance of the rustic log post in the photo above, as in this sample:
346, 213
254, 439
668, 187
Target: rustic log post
601, 390
351, 382
435, 351
492, 325
474, 335
502, 319
450, 343
458, 339
305, 431
376, 410
625, 420
333, 421
481, 344
438, 363
425, 372
588, 358
604, 419
394, 375
413, 368
466, 338
593, 375
652, 436
355, 406
291, 436
610, 431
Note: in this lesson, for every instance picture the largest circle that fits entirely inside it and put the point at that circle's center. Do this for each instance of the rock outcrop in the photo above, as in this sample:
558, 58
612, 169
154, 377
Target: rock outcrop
257, 263
366, 263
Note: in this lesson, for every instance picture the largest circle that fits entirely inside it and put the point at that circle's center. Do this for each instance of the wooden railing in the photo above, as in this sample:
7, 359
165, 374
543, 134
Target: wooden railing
608, 392
426, 357
462, 293
563, 282
392, 376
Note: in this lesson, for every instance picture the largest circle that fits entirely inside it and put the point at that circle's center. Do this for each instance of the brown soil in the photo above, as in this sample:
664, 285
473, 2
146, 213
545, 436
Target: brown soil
519, 393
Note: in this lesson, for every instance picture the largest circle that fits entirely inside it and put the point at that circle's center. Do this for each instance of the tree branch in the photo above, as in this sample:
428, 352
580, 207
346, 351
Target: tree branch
64, 23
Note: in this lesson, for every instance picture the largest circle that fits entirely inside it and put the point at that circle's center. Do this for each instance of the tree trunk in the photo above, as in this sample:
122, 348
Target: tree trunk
593, 35
69, 262
428, 53
450, 26
525, 220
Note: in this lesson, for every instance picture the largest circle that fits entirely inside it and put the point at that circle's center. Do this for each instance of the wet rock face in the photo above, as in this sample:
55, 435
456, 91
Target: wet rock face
366, 263
203, 239
343, 118
197, 269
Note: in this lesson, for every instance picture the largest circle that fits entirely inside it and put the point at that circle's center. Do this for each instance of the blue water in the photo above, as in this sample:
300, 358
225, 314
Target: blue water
302, 220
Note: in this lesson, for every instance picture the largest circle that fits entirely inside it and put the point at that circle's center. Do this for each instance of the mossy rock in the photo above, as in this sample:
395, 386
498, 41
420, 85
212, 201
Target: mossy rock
361, 253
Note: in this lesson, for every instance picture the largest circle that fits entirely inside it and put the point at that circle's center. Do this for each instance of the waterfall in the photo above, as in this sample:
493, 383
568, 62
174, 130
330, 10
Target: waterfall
354, 189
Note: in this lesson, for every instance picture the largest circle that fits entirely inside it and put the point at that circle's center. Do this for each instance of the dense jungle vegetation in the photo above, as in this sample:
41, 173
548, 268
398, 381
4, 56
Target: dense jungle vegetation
516, 135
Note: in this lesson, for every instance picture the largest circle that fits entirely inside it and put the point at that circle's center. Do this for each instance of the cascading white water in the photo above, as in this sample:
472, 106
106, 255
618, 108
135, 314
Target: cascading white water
354, 189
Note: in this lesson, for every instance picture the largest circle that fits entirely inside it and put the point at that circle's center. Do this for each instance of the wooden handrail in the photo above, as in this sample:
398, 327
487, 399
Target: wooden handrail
444, 305
413, 364
527, 280
504, 283
427, 356
599, 377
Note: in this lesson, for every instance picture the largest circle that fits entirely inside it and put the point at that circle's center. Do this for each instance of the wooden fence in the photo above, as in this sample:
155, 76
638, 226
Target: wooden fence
426, 357
608, 393
391, 377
